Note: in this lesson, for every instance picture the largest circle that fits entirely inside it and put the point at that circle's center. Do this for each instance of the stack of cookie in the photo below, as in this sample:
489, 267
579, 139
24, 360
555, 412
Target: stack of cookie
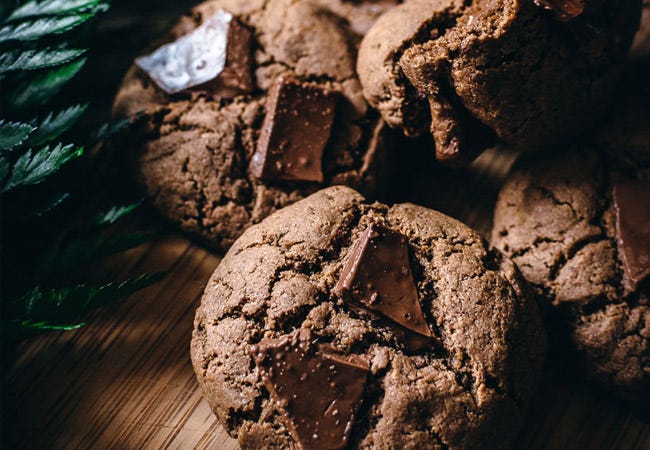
334, 321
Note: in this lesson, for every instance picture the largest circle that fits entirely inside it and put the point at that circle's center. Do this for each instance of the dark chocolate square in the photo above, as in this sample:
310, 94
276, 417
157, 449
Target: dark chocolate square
295, 132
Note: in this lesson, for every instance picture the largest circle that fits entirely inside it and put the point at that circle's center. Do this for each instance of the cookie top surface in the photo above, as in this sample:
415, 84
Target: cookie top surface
577, 227
286, 61
474, 72
450, 359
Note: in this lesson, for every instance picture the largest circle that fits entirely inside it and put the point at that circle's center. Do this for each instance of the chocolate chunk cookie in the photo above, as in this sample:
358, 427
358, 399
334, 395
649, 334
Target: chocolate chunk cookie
641, 46
577, 227
341, 323
530, 73
248, 107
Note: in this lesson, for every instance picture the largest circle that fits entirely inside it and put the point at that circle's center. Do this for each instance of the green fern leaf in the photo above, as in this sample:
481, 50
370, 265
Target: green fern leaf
65, 256
115, 291
33, 168
54, 125
13, 134
44, 86
64, 306
5, 167
42, 206
35, 8
47, 326
114, 214
32, 30
37, 59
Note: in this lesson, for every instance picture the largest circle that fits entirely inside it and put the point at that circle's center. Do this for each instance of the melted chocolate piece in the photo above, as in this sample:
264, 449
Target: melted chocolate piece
632, 206
565, 10
237, 75
378, 275
295, 131
319, 392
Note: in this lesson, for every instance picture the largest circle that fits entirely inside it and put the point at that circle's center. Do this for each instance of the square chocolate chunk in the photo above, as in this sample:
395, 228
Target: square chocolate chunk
295, 131
319, 392
378, 275
237, 75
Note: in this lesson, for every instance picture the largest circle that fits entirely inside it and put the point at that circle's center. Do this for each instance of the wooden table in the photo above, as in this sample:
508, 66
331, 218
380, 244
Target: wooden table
126, 382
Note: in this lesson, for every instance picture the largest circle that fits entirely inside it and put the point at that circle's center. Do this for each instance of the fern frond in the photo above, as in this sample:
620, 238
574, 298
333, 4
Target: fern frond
37, 59
45, 205
115, 291
47, 326
114, 214
35, 29
44, 86
53, 125
13, 134
109, 130
35, 8
5, 167
33, 168
62, 307
65, 256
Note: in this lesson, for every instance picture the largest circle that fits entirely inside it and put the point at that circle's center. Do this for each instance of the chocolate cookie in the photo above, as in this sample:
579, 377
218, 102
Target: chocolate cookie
250, 106
530, 73
577, 227
341, 323
641, 46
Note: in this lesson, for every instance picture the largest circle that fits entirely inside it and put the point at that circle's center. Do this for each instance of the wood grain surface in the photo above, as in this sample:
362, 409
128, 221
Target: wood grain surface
126, 382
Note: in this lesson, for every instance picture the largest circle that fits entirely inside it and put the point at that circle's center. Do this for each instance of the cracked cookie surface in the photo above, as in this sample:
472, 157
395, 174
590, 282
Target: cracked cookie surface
191, 150
469, 389
556, 219
476, 71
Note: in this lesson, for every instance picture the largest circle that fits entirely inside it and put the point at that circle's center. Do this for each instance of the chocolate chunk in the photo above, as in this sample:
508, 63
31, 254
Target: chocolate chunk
215, 56
295, 132
565, 10
378, 275
237, 75
318, 391
632, 206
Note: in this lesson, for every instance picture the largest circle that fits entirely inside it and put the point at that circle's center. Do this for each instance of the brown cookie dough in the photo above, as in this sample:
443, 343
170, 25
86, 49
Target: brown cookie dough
192, 150
474, 72
641, 46
577, 227
439, 331
360, 14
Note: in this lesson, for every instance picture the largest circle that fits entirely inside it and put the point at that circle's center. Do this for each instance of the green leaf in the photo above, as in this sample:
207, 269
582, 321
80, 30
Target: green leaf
35, 8
46, 326
41, 207
32, 30
33, 168
54, 125
65, 256
109, 130
44, 86
114, 214
37, 59
5, 167
61, 306
115, 291
13, 134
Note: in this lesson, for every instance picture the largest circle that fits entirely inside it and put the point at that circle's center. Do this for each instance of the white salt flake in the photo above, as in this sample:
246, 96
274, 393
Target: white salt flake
191, 60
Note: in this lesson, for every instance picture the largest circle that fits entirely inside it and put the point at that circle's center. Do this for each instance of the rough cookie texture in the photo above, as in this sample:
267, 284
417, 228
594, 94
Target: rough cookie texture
192, 150
555, 218
468, 389
475, 71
